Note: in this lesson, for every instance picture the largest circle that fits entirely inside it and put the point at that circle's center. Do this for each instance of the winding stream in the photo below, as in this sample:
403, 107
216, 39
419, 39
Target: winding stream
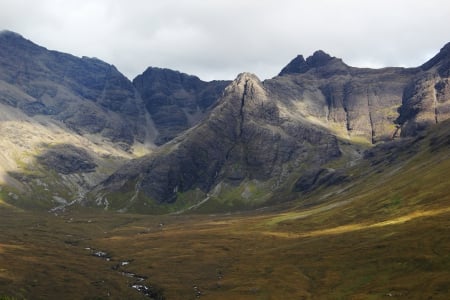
139, 280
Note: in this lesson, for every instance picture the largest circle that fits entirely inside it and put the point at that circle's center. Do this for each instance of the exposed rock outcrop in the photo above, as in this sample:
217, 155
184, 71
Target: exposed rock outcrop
67, 159
316, 178
320, 63
244, 137
175, 100
87, 94
426, 99
354, 103
270, 131
220, 138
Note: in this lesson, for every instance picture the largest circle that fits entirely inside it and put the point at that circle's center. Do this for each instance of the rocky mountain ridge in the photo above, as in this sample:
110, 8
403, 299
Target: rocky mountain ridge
426, 98
88, 95
67, 123
176, 101
265, 138
169, 142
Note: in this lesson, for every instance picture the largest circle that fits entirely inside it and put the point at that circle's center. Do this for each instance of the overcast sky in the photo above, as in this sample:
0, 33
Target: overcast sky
217, 39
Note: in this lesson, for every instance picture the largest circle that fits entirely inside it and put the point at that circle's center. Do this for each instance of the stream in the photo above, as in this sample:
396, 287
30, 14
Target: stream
139, 280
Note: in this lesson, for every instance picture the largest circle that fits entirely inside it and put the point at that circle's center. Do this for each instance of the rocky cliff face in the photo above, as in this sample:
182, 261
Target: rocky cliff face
66, 123
320, 63
270, 135
355, 103
77, 129
86, 94
246, 137
176, 101
426, 99
69, 122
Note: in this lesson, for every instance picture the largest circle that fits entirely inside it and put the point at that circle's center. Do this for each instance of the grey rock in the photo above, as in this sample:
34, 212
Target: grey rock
362, 103
290, 124
67, 159
176, 101
89, 95
426, 99
282, 132
320, 63
242, 138
315, 178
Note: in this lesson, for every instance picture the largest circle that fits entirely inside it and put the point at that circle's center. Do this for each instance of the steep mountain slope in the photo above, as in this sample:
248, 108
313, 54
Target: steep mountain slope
348, 169
176, 101
385, 236
76, 126
88, 95
263, 139
354, 103
426, 98
66, 123
43, 159
244, 138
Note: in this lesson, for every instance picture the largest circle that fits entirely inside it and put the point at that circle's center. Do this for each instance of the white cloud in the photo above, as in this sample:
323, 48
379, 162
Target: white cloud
218, 39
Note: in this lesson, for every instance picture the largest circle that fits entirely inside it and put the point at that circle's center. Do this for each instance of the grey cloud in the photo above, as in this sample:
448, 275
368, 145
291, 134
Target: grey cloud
218, 39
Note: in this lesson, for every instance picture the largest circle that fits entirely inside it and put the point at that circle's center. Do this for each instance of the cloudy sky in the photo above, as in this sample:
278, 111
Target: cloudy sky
217, 39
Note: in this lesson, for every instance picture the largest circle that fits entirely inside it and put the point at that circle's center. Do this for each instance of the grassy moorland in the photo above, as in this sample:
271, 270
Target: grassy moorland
385, 235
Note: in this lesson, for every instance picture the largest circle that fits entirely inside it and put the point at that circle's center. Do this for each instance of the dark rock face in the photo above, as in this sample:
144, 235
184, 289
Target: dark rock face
89, 95
357, 103
315, 178
440, 62
244, 137
269, 130
176, 101
281, 132
297, 66
67, 159
320, 63
426, 99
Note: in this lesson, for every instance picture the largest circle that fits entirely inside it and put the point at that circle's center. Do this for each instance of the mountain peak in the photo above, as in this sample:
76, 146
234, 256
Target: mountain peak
166, 74
9, 33
319, 59
297, 65
10, 39
445, 51
440, 60
245, 76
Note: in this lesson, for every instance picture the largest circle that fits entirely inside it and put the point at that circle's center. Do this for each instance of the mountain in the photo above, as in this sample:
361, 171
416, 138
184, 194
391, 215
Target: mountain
88, 95
176, 101
337, 178
243, 138
383, 236
69, 122
283, 137
75, 130
426, 98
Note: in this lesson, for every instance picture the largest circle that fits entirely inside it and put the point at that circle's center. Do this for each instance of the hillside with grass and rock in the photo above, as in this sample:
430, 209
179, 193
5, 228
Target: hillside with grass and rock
265, 141
77, 132
324, 182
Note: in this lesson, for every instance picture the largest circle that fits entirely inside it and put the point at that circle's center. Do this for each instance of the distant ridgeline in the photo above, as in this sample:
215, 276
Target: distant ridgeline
75, 131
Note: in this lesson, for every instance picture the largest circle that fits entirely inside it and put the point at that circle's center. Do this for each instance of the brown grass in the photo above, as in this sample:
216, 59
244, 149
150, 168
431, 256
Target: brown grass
386, 236
239, 256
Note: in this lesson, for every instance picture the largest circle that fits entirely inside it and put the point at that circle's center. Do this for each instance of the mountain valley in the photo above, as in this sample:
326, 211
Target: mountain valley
324, 182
